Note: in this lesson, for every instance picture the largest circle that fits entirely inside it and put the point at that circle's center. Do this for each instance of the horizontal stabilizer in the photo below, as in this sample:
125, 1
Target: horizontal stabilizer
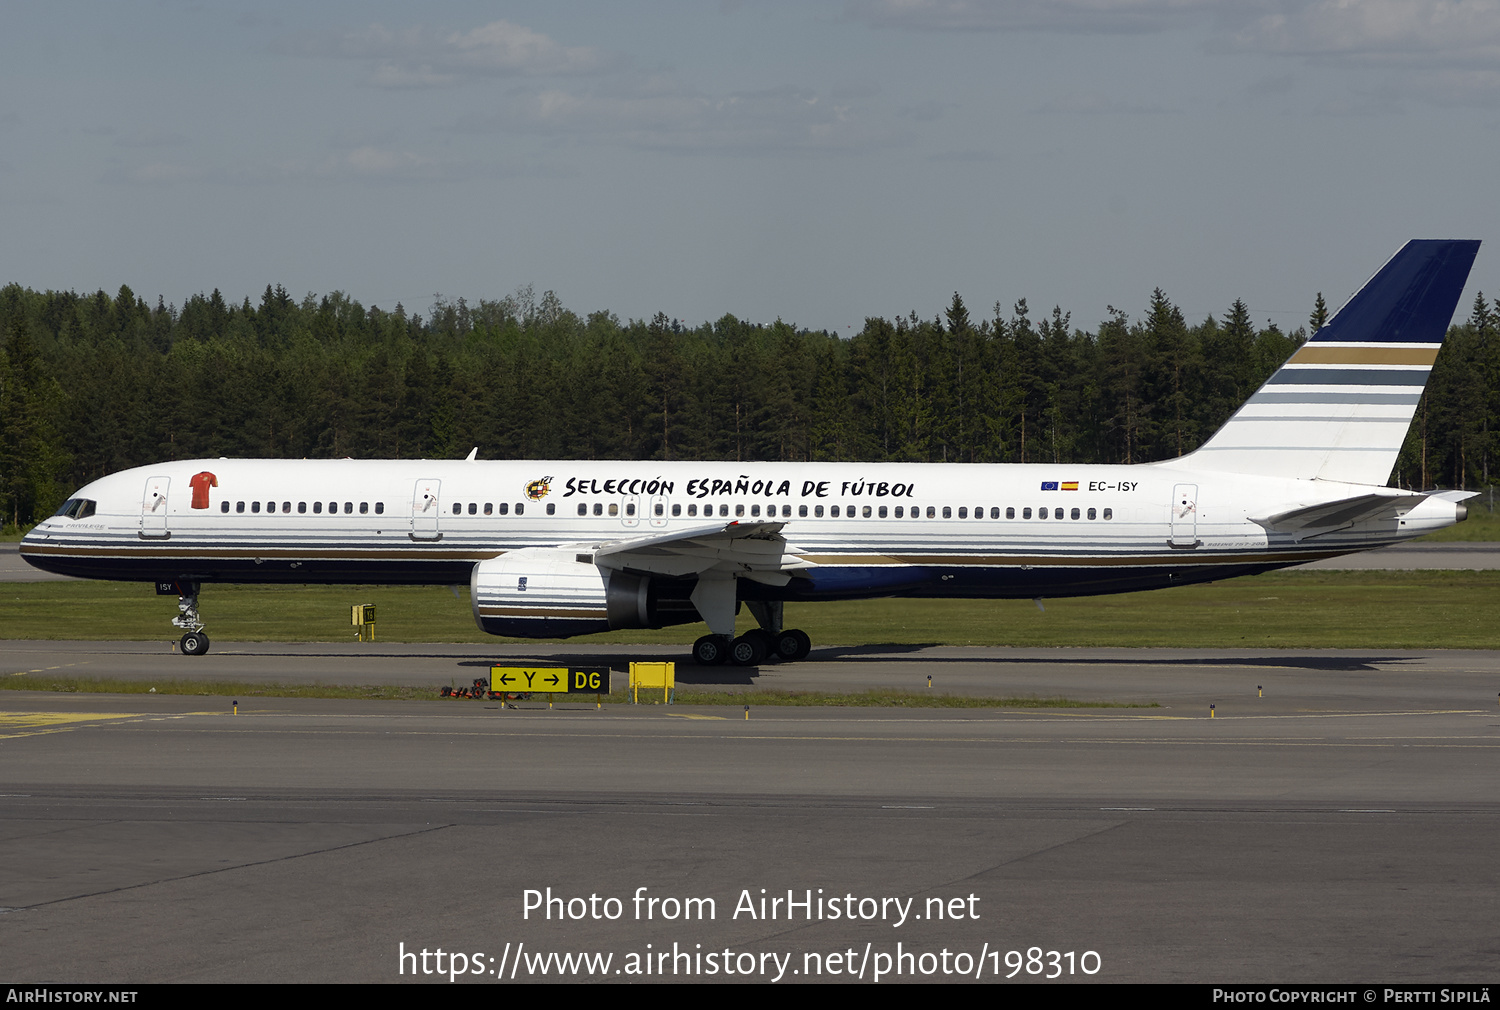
1343, 512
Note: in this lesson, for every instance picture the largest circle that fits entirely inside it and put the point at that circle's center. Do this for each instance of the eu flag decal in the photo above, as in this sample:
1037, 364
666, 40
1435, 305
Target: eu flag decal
1049, 485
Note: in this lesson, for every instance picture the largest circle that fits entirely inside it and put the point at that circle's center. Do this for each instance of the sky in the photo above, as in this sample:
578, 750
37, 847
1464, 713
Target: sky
818, 162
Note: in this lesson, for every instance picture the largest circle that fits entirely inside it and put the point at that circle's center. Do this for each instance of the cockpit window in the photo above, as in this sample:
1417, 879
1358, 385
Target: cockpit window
77, 508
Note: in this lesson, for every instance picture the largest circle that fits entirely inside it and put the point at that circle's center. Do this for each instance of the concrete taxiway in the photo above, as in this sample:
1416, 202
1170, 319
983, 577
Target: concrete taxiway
1334, 821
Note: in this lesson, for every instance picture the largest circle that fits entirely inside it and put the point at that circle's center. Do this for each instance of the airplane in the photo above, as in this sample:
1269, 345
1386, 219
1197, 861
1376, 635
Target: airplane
557, 548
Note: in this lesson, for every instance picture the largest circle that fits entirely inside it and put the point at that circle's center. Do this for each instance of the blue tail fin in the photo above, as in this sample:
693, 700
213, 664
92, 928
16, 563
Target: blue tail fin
1340, 407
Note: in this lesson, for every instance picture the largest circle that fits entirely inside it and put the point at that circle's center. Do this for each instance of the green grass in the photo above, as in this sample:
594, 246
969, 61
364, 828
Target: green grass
386, 692
1386, 610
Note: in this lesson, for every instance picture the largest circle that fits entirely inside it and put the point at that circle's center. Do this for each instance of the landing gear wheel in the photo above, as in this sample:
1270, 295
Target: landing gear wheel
194, 643
711, 650
748, 650
765, 638
793, 645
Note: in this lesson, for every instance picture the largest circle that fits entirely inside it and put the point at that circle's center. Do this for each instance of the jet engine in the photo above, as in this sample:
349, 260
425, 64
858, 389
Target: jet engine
552, 592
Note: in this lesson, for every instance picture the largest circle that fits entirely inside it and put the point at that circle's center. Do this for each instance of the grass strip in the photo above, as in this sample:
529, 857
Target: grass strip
401, 692
1282, 610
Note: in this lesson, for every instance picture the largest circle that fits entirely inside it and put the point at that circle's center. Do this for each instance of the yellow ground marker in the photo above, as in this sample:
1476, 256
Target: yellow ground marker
31, 723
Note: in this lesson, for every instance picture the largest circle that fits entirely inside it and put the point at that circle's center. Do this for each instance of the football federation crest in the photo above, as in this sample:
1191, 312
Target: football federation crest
537, 489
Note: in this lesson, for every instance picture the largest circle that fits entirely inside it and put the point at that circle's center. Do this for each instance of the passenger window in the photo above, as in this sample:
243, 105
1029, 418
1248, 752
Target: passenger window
1026, 513
865, 511
963, 512
270, 506
801, 511
457, 508
882, 511
676, 511
552, 508
1074, 514
1041, 513
614, 508
931, 512
520, 508
505, 508
995, 512
364, 508
786, 511
1109, 513
630, 509
1010, 513
348, 508
1093, 513
223, 506
317, 508
834, 511
692, 510
286, 507
661, 509
333, 507
947, 512
817, 512
302, 508
599, 508
239, 506
489, 508
724, 511
583, 509
473, 508
255, 506
755, 511
380, 508
739, 510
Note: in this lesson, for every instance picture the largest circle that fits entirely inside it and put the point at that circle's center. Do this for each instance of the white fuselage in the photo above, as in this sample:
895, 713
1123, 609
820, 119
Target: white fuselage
974, 530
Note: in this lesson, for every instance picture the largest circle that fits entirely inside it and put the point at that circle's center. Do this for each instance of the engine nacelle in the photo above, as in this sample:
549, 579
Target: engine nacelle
549, 592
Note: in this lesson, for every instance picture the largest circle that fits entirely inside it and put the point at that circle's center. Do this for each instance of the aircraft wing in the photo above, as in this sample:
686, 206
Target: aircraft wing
753, 550
1336, 514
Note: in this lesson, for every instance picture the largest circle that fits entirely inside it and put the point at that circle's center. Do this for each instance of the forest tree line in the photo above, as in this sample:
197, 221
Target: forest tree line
90, 384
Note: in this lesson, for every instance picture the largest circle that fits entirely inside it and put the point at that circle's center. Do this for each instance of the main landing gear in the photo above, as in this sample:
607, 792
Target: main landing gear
756, 645
195, 642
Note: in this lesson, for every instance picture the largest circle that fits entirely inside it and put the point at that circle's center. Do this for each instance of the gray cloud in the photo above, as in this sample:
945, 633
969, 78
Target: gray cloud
658, 113
1096, 103
1028, 15
421, 57
1370, 29
1384, 31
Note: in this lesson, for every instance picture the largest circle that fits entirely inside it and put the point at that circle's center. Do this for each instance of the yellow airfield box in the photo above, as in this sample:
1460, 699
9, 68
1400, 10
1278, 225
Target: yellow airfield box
363, 619
651, 676
549, 680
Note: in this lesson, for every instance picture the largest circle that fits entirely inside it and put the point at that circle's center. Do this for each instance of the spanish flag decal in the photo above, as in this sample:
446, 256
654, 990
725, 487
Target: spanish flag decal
1070, 485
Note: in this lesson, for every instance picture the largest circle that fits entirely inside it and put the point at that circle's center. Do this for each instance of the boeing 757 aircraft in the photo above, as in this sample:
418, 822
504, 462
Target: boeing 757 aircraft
558, 548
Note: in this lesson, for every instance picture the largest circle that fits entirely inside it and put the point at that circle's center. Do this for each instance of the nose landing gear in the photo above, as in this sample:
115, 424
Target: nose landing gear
195, 642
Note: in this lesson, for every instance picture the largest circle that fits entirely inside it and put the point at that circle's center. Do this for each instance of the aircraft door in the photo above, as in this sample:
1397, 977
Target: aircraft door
154, 507
1185, 516
424, 509
658, 508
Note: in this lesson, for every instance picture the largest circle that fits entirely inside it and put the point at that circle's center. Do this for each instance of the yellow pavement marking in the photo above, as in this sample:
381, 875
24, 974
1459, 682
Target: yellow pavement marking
690, 715
32, 723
